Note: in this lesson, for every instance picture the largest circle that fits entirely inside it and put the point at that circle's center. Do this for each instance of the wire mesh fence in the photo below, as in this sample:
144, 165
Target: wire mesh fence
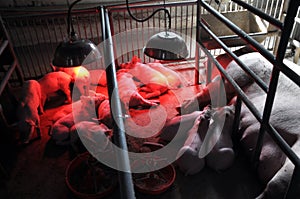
35, 35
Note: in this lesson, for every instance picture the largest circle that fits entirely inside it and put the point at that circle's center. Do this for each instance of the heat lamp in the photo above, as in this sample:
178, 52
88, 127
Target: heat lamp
165, 45
74, 51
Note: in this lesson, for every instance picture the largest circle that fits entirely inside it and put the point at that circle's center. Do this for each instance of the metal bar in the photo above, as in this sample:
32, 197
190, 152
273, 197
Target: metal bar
285, 147
7, 76
39, 49
258, 80
237, 114
115, 47
278, 139
153, 6
49, 36
186, 21
240, 32
97, 30
285, 35
19, 52
197, 55
294, 186
288, 72
90, 25
48, 57
260, 13
237, 88
126, 184
30, 53
3, 46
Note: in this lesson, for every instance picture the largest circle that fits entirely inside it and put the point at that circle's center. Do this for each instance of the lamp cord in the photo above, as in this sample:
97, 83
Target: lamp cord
147, 18
70, 23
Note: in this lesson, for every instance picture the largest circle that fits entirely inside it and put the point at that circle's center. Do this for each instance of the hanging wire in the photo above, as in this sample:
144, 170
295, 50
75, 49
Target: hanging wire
70, 23
150, 16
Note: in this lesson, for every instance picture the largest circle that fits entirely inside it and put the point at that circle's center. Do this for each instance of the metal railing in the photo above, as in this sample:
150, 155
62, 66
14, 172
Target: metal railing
278, 67
35, 35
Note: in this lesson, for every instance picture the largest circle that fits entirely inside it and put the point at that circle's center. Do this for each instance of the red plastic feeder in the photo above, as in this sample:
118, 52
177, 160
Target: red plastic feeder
87, 178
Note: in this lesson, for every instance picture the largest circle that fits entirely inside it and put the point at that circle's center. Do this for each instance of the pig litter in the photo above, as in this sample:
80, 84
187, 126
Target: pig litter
44, 161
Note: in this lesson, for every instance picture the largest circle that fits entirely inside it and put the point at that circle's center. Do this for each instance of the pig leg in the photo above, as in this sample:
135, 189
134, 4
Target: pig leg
153, 94
65, 88
38, 128
42, 104
150, 93
137, 100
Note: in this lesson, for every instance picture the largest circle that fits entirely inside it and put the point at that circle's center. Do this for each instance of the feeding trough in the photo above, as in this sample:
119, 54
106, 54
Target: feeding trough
154, 182
87, 178
253, 25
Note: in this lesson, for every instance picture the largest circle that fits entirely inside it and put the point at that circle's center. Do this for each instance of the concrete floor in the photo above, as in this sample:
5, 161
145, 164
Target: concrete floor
37, 171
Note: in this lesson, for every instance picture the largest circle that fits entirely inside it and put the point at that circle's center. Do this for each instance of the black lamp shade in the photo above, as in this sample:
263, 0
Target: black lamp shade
166, 46
75, 52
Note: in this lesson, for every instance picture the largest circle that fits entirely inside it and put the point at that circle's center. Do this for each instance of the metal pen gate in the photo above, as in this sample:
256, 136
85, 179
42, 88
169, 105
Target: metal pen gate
35, 37
285, 27
36, 34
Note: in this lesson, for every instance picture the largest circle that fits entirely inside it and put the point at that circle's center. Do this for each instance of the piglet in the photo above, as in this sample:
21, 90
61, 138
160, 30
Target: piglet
128, 91
154, 82
83, 110
53, 82
80, 77
174, 79
207, 141
27, 110
187, 157
94, 136
221, 156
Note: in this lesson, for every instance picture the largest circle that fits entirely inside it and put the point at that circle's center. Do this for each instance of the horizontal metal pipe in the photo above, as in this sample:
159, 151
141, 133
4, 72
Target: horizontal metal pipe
284, 146
271, 130
260, 13
237, 88
258, 80
264, 52
243, 35
153, 6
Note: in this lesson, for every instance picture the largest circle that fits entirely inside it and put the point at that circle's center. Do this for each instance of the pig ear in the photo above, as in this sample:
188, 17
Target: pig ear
211, 138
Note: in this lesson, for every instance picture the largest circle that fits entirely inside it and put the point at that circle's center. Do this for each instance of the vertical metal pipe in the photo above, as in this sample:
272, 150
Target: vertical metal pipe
197, 55
237, 114
20, 50
29, 52
42, 66
294, 186
126, 184
288, 25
